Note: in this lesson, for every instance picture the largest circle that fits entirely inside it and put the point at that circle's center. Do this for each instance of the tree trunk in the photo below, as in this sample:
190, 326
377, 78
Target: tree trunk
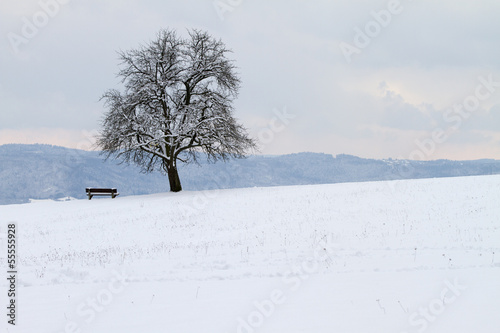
173, 177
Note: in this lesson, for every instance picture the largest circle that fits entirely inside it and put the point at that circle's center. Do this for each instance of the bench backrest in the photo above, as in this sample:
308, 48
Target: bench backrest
100, 190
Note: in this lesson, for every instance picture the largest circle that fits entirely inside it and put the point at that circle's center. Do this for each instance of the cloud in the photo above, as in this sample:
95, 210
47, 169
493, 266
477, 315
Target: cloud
429, 58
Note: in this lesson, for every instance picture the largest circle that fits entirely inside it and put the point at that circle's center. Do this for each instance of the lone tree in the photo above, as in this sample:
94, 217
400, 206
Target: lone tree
177, 103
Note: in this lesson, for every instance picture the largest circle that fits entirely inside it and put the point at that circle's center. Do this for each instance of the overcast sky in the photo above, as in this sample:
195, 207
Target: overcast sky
403, 79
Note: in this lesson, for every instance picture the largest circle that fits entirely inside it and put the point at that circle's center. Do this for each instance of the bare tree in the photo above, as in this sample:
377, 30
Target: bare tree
177, 104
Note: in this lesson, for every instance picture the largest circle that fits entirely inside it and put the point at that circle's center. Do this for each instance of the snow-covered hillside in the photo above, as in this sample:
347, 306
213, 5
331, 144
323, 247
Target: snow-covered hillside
49, 172
402, 256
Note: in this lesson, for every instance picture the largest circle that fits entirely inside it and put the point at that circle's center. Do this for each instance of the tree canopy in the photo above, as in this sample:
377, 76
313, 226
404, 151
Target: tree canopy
177, 103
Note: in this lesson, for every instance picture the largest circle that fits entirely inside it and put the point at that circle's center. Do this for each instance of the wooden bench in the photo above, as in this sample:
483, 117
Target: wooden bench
91, 191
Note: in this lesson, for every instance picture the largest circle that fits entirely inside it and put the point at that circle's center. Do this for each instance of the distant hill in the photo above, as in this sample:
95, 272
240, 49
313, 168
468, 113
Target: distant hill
51, 172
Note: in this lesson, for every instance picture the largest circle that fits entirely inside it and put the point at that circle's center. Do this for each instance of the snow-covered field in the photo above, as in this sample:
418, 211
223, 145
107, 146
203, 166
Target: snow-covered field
403, 256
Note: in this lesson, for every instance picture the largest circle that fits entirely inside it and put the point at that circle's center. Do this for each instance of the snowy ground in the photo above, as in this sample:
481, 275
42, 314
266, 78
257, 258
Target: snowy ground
403, 256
